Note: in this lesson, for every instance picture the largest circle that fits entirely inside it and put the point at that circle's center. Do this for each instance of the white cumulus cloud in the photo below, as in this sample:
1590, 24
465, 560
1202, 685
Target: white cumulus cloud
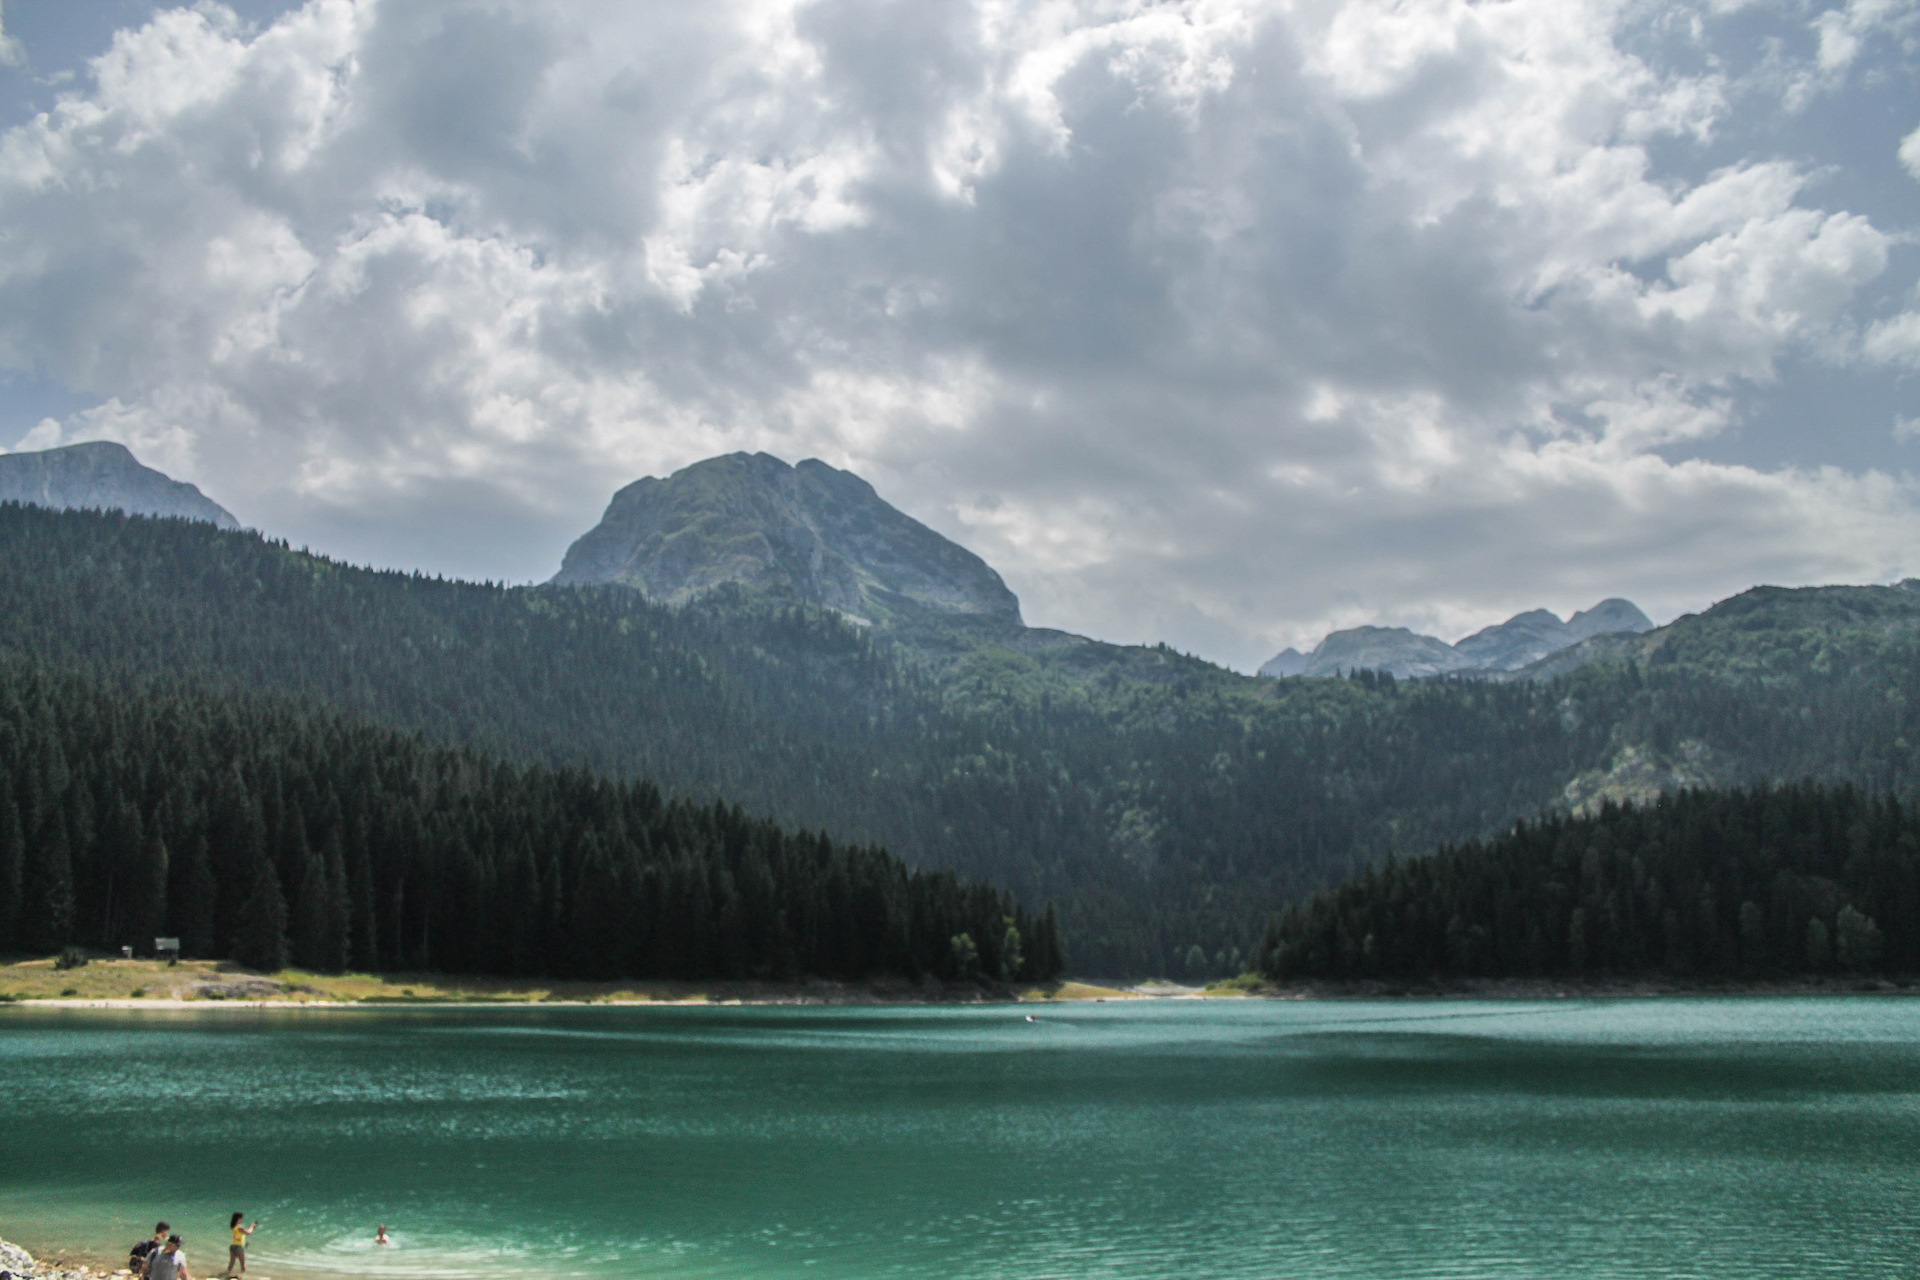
1219, 321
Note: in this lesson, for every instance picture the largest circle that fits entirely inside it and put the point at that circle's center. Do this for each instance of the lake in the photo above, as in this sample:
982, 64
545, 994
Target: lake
1673, 1138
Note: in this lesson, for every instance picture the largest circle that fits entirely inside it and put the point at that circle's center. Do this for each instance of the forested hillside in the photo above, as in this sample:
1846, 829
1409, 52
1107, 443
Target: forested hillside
1773, 881
257, 831
1166, 805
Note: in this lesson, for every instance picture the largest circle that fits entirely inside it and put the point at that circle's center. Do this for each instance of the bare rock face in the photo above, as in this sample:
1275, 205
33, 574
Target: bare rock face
103, 476
1404, 654
1607, 617
808, 533
1519, 642
1521, 639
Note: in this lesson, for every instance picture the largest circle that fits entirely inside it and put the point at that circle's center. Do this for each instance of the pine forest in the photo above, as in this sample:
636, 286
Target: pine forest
271, 835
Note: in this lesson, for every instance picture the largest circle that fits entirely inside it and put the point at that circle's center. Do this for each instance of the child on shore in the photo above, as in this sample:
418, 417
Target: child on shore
237, 1251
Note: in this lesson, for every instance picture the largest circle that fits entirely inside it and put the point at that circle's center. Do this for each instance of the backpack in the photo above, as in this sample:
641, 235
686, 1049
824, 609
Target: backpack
137, 1256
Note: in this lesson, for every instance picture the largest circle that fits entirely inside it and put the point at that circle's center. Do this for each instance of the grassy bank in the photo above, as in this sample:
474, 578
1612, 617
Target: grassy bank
214, 982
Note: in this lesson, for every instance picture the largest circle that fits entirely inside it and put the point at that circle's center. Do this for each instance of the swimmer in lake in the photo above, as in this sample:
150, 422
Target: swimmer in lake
380, 1234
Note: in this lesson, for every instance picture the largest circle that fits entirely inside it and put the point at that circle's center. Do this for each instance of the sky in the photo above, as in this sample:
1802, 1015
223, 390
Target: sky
1216, 322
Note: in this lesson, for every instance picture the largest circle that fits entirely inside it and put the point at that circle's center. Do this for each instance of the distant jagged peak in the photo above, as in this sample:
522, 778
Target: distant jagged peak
1518, 642
810, 533
1287, 662
1397, 651
1521, 639
103, 475
1610, 615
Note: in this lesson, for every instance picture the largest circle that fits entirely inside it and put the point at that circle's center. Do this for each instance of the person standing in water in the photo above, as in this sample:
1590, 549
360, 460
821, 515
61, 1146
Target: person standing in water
380, 1234
237, 1251
169, 1262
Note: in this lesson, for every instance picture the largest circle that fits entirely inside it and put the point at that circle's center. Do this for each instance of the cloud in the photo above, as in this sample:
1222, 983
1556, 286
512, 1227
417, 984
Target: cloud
1216, 321
11, 52
44, 435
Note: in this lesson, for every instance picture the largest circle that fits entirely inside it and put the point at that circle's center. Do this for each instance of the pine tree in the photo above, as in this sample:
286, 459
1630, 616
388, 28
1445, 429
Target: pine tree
337, 940
192, 899
260, 941
365, 925
49, 901
147, 912
311, 917
13, 856
122, 867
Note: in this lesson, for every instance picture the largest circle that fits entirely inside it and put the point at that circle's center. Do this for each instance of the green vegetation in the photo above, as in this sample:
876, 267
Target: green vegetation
264, 832
1166, 805
1718, 884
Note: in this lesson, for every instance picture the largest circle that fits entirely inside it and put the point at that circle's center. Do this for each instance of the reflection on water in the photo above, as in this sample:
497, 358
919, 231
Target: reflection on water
1758, 1138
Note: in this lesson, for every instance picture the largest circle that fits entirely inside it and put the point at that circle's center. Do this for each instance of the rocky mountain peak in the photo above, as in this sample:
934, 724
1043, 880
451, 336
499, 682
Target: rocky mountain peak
1404, 653
1609, 615
1518, 642
103, 476
809, 533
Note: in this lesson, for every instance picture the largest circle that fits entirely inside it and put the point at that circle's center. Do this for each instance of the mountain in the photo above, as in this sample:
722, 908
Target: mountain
1519, 642
1166, 817
1522, 639
1287, 662
1609, 617
103, 476
810, 534
1395, 650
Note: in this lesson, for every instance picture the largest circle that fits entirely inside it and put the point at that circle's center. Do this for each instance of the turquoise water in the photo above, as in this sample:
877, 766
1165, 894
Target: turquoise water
1672, 1138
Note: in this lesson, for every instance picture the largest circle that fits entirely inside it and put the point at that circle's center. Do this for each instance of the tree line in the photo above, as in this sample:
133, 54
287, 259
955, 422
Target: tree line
1167, 806
1768, 881
266, 832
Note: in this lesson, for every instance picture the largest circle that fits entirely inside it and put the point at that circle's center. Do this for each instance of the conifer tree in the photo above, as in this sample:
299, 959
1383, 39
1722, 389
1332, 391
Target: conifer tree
364, 927
337, 938
260, 939
13, 856
307, 936
192, 899
147, 911
49, 901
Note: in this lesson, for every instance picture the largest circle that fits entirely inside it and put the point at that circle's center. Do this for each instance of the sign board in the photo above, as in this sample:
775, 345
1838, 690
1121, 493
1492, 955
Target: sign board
166, 944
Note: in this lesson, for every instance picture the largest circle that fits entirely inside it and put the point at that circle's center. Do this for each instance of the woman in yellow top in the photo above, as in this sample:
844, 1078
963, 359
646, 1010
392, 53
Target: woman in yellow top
237, 1251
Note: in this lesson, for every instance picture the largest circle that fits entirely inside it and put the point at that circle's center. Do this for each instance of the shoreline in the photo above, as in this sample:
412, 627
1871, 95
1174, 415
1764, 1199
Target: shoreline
1517, 990
1652, 987
16, 1261
120, 983
124, 984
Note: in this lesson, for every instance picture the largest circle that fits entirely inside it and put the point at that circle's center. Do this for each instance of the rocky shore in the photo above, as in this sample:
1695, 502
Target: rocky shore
17, 1264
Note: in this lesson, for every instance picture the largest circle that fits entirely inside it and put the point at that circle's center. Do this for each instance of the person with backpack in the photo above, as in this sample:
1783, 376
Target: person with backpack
137, 1256
169, 1262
